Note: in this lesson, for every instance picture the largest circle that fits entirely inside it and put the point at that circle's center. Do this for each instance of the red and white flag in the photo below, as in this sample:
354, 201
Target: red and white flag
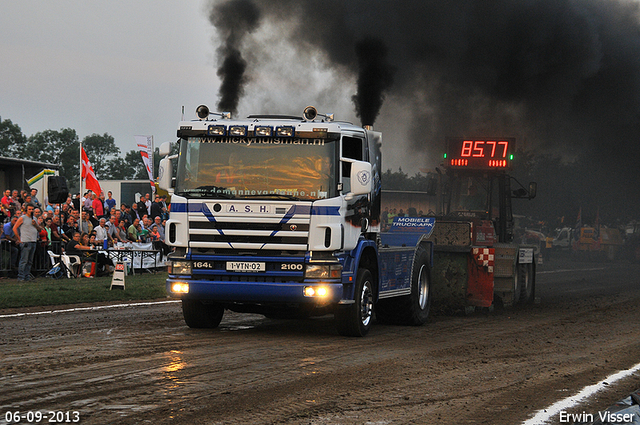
88, 175
145, 146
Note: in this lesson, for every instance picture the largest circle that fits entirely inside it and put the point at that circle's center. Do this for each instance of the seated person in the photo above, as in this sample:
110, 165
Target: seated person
133, 232
79, 245
93, 242
75, 246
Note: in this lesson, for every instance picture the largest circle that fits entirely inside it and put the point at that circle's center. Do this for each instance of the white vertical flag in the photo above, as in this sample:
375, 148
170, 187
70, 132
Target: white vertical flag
145, 146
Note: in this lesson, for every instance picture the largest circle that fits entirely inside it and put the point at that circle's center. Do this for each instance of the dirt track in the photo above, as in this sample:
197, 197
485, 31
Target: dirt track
141, 364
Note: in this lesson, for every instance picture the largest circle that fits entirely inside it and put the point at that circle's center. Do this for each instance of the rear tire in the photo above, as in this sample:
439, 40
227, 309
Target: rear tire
202, 316
355, 319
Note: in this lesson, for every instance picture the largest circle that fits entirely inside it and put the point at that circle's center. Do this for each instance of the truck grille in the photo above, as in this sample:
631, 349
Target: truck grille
250, 233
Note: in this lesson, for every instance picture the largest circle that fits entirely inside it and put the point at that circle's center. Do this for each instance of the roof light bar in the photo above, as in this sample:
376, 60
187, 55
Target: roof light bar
238, 130
216, 130
263, 131
285, 131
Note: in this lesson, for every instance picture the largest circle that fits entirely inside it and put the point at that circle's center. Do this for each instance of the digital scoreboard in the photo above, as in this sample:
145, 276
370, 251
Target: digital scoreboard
482, 154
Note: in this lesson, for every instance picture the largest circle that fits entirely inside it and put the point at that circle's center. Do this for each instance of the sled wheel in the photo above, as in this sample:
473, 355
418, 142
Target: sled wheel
525, 277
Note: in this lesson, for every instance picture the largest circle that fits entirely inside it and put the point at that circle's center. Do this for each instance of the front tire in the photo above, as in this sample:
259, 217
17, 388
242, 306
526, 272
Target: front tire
202, 316
355, 319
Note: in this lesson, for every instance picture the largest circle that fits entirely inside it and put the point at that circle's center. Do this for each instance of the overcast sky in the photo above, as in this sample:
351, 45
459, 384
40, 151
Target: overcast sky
128, 67
116, 67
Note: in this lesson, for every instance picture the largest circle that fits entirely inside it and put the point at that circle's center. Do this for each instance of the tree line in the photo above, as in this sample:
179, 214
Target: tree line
590, 183
62, 147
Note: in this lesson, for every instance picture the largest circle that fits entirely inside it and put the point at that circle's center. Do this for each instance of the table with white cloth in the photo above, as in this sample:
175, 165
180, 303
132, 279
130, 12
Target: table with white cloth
138, 255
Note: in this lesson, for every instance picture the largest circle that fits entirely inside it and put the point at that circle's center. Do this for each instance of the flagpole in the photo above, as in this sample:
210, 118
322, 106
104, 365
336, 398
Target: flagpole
80, 195
153, 182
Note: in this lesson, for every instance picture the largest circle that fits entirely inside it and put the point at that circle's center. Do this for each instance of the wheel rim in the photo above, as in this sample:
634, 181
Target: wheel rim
366, 303
423, 282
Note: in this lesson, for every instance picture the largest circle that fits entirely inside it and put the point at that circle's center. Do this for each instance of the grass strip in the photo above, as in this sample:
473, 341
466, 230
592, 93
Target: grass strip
48, 291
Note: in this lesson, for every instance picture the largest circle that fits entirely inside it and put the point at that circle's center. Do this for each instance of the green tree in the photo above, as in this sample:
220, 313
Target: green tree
395, 180
53, 147
119, 169
11, 138
100, 150
49, 145
137, 170
399, 180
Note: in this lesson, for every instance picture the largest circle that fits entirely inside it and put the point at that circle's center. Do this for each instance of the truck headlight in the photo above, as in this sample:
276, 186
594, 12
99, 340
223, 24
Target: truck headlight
180, 267
323, 271
180, 288
316, 291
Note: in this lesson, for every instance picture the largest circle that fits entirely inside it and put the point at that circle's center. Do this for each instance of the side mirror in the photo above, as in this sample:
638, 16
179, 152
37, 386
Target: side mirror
533, 190
165, 173
165, 149
361, 178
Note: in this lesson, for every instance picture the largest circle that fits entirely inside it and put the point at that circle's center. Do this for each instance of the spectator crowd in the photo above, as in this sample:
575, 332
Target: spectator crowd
78, 226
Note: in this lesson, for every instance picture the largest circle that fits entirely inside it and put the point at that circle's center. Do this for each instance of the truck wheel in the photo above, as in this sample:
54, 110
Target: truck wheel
419, 301
525, 277
355, 319
199, 315
411, 309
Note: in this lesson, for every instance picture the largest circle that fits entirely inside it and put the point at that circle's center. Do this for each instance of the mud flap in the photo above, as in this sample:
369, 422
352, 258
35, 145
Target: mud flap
480, 283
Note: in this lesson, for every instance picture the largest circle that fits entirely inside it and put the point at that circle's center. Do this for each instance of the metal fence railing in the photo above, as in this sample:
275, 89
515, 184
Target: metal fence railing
41, 260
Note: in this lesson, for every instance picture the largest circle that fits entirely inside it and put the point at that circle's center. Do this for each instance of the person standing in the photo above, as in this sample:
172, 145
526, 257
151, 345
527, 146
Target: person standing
34, 198
7, 203
147, 203
26, 230
141, 207
9, 236
109, 203
17, 205
97, 207
156, 208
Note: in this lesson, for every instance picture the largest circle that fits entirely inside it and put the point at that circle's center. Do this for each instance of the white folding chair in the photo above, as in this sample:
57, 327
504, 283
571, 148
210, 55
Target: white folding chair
72, 263
55, 262
54, 258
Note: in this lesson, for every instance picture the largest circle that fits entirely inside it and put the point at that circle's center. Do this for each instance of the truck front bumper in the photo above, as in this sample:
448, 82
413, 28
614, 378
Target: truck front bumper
255, 292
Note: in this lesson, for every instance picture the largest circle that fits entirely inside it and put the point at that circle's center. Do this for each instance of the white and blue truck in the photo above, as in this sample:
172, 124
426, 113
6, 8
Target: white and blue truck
280, 215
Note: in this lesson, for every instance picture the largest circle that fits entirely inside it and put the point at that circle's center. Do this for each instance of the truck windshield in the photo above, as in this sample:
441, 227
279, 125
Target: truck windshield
469, 194
302, 169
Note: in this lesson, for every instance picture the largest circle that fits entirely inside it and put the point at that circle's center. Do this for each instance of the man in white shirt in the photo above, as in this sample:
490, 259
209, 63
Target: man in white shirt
101, 231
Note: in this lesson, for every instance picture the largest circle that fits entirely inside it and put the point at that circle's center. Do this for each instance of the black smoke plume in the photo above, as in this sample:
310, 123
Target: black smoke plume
375, 76
562, 76
234, 20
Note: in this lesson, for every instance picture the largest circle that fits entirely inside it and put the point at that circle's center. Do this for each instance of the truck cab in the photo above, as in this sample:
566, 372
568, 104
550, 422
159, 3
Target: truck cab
277, 215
